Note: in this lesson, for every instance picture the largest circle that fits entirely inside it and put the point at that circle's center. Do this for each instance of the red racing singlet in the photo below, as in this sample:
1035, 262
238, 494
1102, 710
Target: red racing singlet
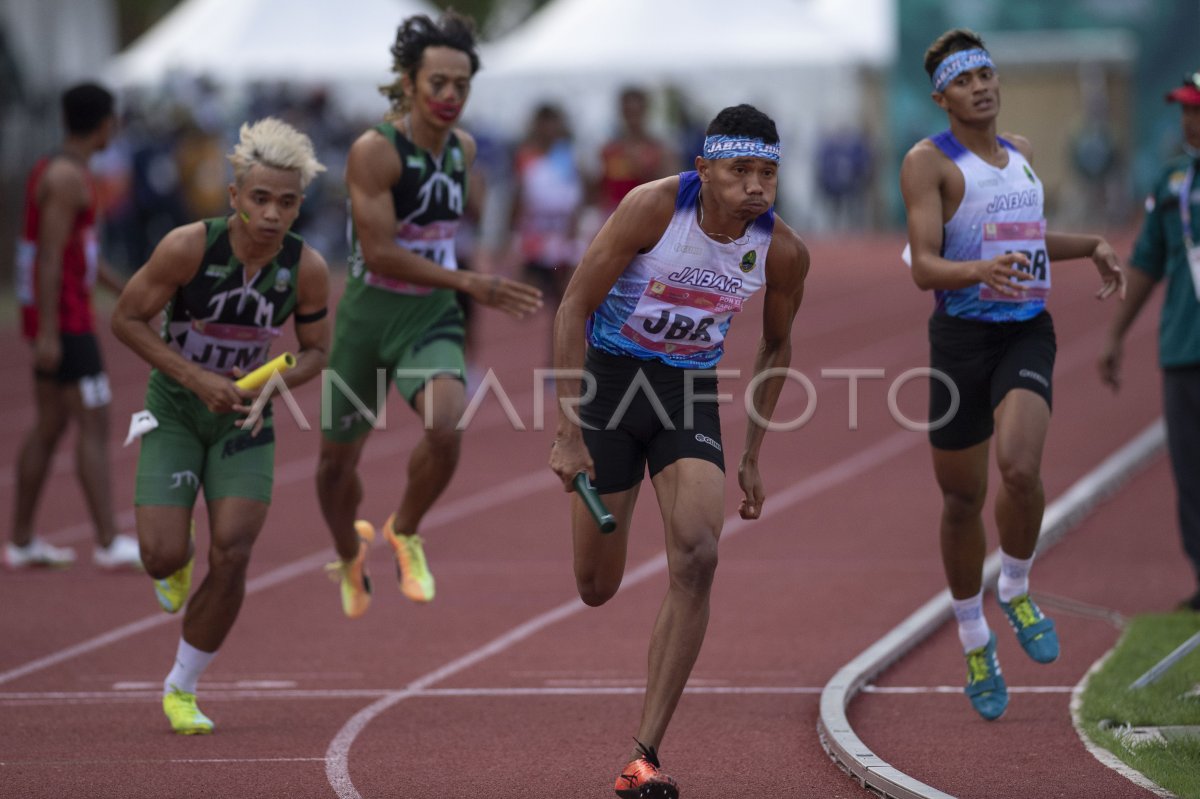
79, 263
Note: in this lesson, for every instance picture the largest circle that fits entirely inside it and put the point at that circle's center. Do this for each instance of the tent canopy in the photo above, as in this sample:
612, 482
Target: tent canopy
803, 62
673, 36
235, 42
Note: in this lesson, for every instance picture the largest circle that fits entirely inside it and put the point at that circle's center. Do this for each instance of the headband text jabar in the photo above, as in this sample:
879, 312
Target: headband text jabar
739, 147
957, 63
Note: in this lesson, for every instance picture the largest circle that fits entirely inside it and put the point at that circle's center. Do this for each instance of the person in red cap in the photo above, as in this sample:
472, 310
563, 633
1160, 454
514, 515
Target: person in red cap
1169, 247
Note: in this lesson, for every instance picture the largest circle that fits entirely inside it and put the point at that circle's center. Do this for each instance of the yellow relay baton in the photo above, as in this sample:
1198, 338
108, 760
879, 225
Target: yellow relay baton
259, 377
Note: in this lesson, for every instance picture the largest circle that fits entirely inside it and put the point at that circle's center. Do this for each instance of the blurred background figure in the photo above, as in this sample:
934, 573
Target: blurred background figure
634, 156
547, 199
845, 164
58, 264
687, 126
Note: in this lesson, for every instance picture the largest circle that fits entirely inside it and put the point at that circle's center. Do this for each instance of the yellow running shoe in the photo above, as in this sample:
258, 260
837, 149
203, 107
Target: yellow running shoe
411, 569
172, 591
352, 574
185, 717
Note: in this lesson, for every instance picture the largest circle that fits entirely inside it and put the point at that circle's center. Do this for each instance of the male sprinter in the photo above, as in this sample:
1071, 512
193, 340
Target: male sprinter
656, 292
978, 238
58, 263
407, 181
227, 285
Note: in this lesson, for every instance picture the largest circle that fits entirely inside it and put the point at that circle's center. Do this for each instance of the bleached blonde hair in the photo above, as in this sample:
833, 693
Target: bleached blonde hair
274, 143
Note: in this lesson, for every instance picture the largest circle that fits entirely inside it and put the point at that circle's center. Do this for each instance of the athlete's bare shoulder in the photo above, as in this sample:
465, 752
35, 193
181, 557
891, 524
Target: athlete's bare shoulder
788, 256
925, 155
663, 190
468, 144
312, 261
185, 244
646, 211
1021, 143
65, 180
373, 157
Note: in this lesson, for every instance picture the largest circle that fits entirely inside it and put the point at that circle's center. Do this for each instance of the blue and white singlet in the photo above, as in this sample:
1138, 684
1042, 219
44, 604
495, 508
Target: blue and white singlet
1001, 211
674, 303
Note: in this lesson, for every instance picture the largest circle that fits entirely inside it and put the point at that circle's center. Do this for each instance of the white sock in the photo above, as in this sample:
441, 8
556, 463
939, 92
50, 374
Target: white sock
190, 662
973, 629
1014, 577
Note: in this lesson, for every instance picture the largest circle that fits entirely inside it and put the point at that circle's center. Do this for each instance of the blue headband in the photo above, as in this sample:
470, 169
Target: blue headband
739, 147
955, 64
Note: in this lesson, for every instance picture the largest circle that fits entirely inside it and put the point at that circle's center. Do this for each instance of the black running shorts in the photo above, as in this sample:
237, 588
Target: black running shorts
985, 361
633, 422
80, 359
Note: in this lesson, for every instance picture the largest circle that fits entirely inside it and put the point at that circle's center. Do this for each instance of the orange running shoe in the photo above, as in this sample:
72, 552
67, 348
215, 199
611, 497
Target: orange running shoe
352, 574
642, 778
416, 582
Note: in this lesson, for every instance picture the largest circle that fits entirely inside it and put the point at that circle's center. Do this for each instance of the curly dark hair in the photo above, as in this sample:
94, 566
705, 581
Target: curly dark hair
417, 34
743, 120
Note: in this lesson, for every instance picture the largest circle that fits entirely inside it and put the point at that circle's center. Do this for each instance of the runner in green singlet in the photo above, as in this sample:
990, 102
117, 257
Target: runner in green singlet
398, 320
226, 286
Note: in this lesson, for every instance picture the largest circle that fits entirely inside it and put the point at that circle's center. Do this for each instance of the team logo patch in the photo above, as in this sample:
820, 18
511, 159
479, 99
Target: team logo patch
217, 271
185, 479
1029, 174
748, 261
416, 162
456, 160
1175, 182
703, 439
282, 278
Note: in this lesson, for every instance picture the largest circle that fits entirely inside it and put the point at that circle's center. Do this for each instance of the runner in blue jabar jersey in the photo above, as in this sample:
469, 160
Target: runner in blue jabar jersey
651, 303
978, 239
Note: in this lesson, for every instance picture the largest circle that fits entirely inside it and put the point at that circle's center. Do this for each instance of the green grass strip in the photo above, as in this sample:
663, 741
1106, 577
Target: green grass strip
1108, 705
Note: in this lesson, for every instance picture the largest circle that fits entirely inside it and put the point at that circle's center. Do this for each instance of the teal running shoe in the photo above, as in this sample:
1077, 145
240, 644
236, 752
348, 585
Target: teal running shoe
985, 684
1035, 632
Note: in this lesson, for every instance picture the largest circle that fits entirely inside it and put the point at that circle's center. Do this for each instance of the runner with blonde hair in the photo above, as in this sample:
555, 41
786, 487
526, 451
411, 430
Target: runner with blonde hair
227, 286
274, 144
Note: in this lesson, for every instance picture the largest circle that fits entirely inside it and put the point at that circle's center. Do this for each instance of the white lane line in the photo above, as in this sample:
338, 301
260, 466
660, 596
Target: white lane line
516, 488
839, 739
223, 693
1100, 753
180, 760
337, 767
230, 694
958, 689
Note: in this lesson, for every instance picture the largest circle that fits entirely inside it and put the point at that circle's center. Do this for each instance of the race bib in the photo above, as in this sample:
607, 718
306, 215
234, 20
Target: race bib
221, 347
1029, 238
434, 243
679, 321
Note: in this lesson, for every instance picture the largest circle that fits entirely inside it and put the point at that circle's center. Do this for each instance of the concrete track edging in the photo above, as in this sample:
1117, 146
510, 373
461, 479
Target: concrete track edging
838, 738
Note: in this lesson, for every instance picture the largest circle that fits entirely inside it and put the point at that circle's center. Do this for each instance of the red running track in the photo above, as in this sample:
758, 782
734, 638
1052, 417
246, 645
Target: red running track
506, 685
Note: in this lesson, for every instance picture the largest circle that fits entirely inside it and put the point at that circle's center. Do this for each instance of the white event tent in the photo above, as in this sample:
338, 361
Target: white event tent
342, 45
804, 62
